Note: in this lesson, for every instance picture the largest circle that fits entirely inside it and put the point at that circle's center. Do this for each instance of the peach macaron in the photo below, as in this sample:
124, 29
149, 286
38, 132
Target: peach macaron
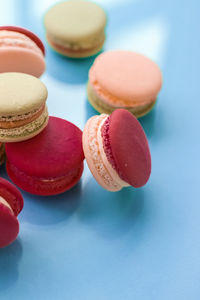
21, 51
124, 79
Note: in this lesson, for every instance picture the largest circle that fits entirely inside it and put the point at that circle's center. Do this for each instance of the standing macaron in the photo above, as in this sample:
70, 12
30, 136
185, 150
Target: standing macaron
75, 28
11, 204
124, 79
51, 162
23, 111
116, 150
21, 51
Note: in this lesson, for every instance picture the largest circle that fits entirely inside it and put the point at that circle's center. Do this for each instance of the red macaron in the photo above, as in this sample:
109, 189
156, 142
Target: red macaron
51, 162
11, 204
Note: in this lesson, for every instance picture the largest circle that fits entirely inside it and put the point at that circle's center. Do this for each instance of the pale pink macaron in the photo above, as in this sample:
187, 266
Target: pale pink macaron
116, 150
124, 79
21, 51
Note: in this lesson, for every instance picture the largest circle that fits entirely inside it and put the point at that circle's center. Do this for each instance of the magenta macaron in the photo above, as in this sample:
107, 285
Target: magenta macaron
116, 150
11, 204
51, 162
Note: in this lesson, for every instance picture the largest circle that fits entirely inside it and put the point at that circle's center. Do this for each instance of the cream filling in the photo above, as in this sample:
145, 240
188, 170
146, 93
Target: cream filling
97, 160
20, 117
90, 43
109, 167
4, 202
26, 129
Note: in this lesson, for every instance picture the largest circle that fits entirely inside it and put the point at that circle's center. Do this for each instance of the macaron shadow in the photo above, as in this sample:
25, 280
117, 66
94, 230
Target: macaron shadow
89, 110
69, 70
50, 210
9, 264
111, 215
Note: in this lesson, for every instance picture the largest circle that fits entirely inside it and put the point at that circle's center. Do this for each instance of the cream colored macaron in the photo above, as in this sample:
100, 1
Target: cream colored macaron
75, 28
23, 111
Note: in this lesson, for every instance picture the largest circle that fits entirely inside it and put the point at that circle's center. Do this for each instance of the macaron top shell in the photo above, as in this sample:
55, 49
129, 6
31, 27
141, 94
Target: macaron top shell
75, 20
126, 75
20, 93
28, 33
54, 152
12, 195
128, 149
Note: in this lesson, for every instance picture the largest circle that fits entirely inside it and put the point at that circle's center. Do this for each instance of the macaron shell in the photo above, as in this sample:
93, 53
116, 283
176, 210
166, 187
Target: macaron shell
104, 107
28, 33
75, 21
12, 195
20, 93
53, 153
125, 77
21, 60
9, 226
129, 148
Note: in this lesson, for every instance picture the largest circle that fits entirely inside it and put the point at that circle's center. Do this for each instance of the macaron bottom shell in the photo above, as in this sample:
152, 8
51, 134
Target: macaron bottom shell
102, 107
44, 186
79, 53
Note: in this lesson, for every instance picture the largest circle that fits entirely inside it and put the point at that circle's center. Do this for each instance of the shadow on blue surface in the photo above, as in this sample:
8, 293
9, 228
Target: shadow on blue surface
111, 217
69, 70
9, 263
53, 209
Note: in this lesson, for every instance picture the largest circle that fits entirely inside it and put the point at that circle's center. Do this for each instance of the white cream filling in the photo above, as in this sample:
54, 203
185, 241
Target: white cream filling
4, 202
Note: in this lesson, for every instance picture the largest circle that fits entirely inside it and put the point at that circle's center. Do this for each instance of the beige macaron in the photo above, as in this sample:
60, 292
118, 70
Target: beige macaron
75, 28
23, 111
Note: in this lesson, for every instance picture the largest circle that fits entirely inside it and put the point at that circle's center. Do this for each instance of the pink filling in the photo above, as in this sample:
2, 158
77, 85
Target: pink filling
107, 146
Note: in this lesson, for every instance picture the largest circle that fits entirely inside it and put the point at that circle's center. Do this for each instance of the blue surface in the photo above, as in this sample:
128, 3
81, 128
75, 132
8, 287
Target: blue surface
89, 244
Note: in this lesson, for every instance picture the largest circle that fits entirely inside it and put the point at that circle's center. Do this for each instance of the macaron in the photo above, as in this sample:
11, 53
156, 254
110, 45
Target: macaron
2, 153
116, 150
11, 204
51, 162
23, 111
75, 28
123, 79
21, 51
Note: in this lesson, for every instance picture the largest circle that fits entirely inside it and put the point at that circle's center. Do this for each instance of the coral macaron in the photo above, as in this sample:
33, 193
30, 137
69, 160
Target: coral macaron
23, 111
11, 204
124, 79
75, 28
51, 162
21, 51
116, 150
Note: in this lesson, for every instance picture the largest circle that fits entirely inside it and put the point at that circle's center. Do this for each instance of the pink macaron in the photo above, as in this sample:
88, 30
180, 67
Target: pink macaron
51, 162
116, 150
11, 204
124, 79
21, 51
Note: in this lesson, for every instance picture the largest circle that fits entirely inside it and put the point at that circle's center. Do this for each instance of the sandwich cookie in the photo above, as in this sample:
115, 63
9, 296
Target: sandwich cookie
123, 79
116, 150
75, 28
21, 51
11, 204
23, 111
51, 162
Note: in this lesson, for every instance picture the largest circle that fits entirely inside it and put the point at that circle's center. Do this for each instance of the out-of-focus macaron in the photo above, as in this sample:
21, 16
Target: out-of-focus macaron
23, 111
11, 204
116, 150
123, 79
75, 28
51, 162
2, 153
21, 51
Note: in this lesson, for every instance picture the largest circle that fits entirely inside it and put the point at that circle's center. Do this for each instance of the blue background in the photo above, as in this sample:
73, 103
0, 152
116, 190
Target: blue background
144, 244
